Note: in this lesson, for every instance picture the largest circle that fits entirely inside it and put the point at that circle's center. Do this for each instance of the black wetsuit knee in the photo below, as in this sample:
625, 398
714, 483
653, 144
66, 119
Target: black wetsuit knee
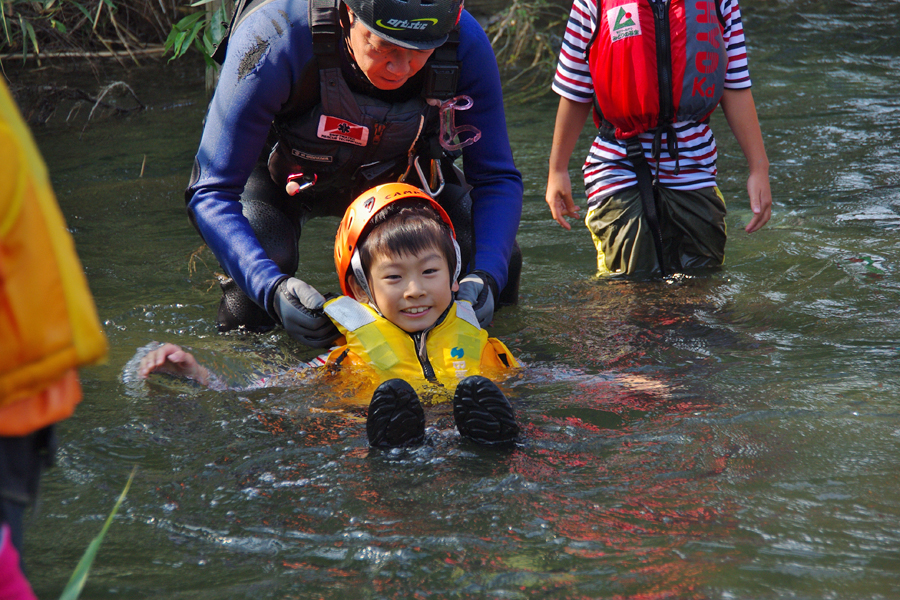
278, 234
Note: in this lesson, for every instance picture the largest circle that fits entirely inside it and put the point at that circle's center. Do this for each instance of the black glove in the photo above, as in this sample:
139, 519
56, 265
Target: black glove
477, 288
299, 309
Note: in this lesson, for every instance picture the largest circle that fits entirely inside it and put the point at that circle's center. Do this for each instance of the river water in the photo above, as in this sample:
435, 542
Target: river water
734, 436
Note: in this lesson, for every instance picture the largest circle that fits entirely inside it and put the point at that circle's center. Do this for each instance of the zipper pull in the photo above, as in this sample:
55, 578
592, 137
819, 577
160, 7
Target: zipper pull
419, 339
379, 131
661, 7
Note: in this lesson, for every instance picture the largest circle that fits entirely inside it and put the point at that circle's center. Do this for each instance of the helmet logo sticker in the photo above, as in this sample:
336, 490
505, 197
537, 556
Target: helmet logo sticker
408, 191
403, 24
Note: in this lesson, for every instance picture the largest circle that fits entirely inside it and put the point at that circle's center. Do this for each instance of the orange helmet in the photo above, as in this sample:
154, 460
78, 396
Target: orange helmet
356, 219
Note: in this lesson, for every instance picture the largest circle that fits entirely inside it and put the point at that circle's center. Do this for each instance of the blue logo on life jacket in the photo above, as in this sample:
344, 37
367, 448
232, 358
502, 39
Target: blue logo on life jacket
457, 352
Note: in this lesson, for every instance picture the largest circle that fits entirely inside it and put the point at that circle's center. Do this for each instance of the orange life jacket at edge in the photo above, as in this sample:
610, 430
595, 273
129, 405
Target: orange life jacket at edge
48, 322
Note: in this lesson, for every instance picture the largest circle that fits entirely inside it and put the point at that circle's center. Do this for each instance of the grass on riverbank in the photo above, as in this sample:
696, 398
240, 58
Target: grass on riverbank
525, 34
123, 29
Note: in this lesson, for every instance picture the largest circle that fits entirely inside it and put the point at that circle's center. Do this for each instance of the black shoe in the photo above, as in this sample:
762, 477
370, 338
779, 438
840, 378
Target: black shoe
395, 416
483, 414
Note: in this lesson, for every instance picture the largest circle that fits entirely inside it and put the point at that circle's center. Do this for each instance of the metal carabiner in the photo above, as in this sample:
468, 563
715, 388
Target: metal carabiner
436, 174
302, 182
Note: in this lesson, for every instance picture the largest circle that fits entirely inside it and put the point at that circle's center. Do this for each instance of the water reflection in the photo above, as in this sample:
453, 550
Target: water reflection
727, 436
621, 465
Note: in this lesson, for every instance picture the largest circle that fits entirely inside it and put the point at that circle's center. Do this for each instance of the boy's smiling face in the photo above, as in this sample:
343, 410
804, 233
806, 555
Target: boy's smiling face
411, 290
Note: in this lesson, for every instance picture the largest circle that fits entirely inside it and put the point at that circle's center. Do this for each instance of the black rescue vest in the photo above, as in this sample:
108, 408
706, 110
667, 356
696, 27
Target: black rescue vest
333, 138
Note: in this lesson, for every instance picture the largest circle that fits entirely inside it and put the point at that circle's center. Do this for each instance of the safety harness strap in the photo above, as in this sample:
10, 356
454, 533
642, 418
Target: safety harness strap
648, 199
326, 32
242, 8
442, 71
324, 26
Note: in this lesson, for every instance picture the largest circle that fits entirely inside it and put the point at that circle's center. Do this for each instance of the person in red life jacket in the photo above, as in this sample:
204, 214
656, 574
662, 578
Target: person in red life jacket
653, 71
402, 332
48, 329
318, 101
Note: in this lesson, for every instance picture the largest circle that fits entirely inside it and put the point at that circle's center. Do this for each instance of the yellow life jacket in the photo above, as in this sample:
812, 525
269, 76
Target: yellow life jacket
454, 349
48, 321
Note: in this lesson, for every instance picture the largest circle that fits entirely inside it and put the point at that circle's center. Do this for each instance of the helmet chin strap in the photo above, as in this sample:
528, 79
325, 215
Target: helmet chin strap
360, 274
458, 261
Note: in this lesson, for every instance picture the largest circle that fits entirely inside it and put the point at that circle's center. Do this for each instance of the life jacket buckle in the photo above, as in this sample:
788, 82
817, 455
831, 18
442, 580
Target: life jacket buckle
634, 150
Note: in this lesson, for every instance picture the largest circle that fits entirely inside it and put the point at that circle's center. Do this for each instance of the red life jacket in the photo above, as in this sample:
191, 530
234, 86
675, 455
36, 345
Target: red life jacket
655, 62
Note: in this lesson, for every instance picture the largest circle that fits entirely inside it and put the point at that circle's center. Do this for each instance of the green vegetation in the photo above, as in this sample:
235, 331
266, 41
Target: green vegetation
76, 583
200, 30
119, 28
525, 37
525, 33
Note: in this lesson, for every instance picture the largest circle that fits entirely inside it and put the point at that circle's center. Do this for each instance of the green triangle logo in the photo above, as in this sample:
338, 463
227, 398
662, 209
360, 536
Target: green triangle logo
623, 19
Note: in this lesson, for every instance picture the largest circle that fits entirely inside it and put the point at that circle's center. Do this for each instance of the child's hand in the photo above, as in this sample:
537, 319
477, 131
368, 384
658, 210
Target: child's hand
760, 200
559, 198
171, 359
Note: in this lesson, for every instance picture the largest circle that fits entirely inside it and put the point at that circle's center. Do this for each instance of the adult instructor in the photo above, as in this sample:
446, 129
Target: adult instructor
319, 100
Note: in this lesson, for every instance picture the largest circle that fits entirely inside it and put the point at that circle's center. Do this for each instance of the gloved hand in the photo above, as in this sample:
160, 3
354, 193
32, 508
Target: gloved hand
299, 309
476, 288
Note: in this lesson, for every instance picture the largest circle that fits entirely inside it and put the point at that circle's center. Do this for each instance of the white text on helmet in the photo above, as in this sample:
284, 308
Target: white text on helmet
400, 24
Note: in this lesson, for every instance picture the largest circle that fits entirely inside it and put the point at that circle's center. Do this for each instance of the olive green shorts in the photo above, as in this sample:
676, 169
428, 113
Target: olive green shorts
692, 223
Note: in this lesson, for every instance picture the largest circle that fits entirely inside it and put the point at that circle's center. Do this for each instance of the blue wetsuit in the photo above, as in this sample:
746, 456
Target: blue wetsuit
266, 57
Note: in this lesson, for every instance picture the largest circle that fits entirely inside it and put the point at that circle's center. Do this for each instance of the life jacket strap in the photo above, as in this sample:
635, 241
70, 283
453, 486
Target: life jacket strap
647, 190
671, 147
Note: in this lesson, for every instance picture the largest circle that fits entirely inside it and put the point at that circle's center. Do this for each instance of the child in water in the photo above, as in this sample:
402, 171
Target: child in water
398, 262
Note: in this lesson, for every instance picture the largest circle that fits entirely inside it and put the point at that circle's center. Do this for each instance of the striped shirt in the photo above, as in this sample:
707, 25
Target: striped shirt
302, 372
606, 169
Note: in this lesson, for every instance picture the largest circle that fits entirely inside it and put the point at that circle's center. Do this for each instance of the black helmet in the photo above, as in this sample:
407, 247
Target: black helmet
415, 24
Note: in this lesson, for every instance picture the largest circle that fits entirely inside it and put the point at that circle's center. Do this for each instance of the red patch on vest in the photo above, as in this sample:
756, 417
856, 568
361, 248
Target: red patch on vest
339, 130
